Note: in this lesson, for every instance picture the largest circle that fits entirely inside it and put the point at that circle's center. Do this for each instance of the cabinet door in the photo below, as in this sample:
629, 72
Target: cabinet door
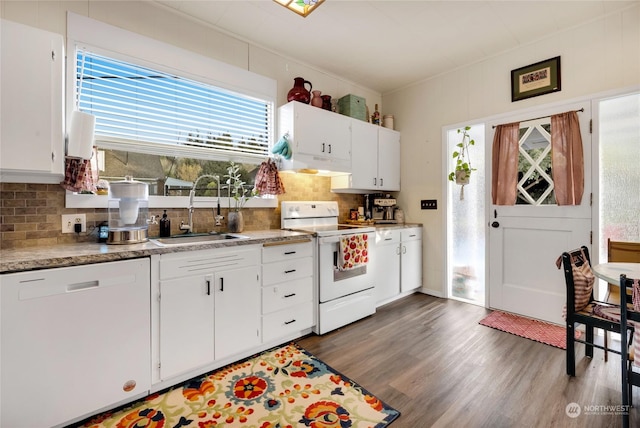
237, 311
186, 324
364, 150
385, 260
322, 133
31, 83
388, 159
411, 271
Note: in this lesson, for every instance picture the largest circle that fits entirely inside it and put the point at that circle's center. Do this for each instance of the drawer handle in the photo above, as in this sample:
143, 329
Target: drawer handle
289, 271
288, 253
289, 322
388, 239
289, 295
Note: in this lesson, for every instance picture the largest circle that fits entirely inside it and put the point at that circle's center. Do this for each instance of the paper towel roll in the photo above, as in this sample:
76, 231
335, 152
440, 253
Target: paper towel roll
81, 135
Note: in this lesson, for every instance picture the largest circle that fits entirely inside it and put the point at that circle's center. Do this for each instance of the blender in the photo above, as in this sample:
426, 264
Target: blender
128, 212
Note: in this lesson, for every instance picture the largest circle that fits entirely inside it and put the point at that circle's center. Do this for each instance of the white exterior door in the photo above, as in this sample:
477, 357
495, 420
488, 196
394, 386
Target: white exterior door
526, 239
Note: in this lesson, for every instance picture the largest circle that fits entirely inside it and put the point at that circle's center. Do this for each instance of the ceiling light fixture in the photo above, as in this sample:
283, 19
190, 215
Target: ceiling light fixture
301, 7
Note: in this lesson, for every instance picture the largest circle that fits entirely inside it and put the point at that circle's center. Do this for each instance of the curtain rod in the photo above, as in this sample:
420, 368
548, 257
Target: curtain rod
541, 117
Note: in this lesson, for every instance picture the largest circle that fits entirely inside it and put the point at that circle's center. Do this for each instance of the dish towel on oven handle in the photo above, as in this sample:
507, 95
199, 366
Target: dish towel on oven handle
354, 251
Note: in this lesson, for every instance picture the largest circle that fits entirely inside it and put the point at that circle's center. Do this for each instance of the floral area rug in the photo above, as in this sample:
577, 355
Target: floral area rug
540, 331
282, 387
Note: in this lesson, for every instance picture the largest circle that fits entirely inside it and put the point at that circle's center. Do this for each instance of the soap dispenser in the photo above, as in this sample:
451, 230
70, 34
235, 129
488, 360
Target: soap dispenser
165, 226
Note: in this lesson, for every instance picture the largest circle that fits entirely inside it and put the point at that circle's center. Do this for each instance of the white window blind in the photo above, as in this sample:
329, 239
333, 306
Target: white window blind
149, 111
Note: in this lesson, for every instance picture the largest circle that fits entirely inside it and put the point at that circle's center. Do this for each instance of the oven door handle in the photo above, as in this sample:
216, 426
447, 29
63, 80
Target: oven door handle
336, 238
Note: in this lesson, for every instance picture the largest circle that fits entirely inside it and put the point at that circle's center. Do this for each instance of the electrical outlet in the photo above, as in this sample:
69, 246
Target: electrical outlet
429, 204
70, 220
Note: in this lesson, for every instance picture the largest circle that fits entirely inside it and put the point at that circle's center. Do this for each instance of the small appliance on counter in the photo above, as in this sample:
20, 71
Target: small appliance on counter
383, 209
128, 212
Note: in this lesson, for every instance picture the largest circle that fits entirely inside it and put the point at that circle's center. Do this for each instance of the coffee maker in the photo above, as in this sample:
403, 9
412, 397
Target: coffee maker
383, 206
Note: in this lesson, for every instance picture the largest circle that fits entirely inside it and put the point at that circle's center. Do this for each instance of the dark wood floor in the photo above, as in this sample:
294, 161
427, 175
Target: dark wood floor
430, 359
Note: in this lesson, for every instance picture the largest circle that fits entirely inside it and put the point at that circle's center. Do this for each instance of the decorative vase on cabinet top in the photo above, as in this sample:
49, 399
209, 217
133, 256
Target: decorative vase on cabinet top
316, 100
299, 92
326, 102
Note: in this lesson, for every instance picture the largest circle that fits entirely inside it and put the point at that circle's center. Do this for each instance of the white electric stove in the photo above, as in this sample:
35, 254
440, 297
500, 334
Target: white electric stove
344, 296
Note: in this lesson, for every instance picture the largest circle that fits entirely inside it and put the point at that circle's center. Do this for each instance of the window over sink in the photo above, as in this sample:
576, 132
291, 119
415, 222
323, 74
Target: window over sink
165, 115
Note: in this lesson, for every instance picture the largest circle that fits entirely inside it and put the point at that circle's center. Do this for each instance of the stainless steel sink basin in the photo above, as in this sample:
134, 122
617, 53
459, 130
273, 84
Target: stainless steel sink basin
195, 239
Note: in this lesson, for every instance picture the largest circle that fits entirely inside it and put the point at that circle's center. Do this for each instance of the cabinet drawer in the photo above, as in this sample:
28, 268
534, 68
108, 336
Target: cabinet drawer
287, 321
287, 270
276, 253
387, 236
194, 262
411, 234
286, 294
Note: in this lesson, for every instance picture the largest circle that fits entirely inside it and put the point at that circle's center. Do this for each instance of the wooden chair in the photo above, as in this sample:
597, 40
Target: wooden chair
618, 251
629, 313
585, 316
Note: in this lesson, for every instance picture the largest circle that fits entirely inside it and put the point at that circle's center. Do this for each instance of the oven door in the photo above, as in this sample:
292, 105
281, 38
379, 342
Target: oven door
334, 283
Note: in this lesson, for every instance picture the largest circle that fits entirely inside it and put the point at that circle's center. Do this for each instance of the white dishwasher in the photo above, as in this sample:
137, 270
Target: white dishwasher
73, 340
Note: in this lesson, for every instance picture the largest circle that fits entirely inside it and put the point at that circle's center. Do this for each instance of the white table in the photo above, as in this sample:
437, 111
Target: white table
611, 272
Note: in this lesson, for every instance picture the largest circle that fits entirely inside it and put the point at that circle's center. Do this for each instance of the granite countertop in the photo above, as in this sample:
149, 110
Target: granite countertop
18, 260
396, 225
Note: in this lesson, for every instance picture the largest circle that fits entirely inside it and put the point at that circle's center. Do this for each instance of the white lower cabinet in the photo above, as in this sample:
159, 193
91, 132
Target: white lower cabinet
237, 311
385, 261
397, 262
209, 307
410, 259
73, 340
287, 290
186, 327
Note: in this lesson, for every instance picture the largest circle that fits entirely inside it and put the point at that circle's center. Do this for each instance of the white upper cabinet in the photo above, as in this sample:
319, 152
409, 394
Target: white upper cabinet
364, 145
388, 159
375, 164
32, 105
319, 139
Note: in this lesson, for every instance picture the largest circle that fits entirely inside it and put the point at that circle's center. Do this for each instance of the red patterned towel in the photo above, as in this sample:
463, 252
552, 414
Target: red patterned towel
354, 251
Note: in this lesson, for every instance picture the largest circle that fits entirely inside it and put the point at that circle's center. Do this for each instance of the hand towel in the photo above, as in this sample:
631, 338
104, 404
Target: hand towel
354, 251
78, 175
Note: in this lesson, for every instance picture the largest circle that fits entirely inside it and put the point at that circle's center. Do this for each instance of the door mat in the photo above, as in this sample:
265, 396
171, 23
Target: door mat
285, 386
539, 331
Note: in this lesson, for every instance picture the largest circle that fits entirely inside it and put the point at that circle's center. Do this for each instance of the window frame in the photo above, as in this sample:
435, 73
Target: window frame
104, 39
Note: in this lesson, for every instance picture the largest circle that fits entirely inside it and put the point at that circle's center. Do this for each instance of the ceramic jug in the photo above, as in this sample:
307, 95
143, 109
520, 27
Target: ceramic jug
326, 102
299, 92
316, 99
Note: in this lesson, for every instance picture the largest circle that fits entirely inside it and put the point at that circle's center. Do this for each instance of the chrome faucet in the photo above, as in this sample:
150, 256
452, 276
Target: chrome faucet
218, 218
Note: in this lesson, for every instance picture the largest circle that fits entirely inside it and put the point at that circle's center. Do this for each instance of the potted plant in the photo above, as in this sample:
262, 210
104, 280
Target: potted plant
239, 194
463, 168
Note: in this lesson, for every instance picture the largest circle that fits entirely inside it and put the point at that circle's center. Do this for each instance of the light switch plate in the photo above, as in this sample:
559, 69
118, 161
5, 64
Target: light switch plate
429, 204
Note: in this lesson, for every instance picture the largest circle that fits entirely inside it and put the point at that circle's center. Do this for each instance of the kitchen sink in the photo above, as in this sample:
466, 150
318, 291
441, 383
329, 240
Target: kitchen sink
191, 239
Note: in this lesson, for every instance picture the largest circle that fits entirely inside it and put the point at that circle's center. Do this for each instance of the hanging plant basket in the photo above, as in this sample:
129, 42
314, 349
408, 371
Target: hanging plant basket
462, 177
463, 169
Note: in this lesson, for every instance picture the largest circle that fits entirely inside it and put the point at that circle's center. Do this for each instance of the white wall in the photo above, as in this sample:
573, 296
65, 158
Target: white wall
155, 21
601, 56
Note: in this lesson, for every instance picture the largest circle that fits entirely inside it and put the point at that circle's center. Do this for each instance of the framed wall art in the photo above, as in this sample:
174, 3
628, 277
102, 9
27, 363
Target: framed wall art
536, 79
